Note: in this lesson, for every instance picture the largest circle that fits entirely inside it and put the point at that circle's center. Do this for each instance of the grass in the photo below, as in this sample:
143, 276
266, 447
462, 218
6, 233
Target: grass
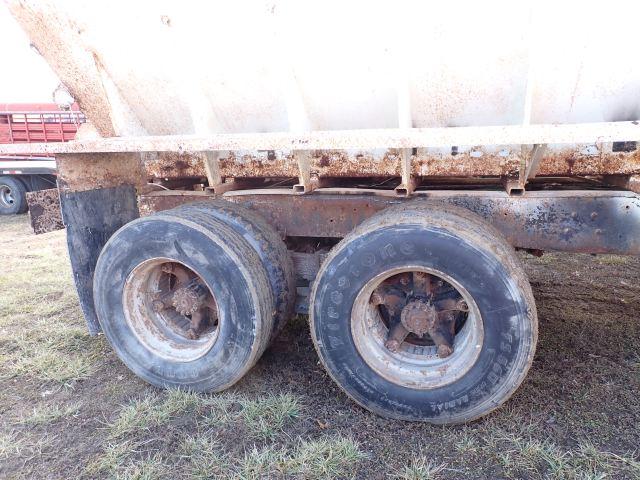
204, 456
46, 414
10, 444
153, 410
266, 417
150, 468
326, 458
420, 469
262, 417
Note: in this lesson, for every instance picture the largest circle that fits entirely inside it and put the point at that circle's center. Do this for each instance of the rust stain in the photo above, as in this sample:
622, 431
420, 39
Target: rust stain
89, 171
261, 164
337, 163
574, 163
175, 165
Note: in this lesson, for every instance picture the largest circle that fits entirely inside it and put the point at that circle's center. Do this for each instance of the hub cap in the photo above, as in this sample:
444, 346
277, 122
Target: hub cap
6, 196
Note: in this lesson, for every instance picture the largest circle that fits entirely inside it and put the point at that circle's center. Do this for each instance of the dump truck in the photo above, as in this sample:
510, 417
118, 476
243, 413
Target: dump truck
28, 172
373, 165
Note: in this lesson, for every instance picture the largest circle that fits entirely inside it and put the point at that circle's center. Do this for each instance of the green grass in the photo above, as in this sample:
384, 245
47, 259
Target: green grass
318, 459
112, 458
262, 417
42, 332
266, 417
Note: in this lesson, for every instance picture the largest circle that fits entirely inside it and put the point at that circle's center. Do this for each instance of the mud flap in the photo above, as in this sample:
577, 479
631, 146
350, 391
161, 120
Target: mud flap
91, 217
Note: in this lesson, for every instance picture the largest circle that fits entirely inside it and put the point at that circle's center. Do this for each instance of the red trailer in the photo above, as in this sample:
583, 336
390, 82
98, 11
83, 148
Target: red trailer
31, 123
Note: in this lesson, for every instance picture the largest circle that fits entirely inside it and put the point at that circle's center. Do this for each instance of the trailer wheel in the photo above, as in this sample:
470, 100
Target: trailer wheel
184, 300
13, 196
267, 243
424, 313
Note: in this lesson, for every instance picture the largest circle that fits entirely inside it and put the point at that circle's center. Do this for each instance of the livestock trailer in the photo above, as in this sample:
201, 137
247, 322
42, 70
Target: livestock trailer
375, 165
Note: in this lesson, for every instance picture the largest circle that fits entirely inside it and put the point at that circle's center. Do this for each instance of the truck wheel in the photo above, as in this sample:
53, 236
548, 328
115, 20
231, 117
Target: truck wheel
13, 196
424, 313
267, 243
184, 300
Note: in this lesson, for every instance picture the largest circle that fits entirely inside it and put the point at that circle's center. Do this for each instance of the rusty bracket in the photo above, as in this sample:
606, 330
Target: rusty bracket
305, 182
533, 165
408, 183
529, 167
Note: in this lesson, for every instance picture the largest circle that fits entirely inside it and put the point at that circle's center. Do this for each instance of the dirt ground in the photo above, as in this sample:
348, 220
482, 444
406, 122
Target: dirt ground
70, 409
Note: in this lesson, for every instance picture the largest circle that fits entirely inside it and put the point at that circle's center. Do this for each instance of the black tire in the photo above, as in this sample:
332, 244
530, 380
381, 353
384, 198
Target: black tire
477, 257
13, 196
267, 243
233, 273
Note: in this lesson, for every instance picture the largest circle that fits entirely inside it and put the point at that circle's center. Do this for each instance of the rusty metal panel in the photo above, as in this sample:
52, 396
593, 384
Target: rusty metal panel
588, 160
589, 221
44, 210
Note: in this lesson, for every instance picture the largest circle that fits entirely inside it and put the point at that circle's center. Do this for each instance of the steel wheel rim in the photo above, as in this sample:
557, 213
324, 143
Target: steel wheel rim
414, 367
164, 332
6, 196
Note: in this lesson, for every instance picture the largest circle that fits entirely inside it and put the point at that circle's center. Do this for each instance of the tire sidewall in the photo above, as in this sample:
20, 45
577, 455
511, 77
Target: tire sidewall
161, 237
508, 334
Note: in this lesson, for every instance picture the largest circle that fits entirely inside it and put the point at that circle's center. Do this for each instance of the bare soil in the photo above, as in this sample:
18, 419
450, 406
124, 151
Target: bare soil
62, 394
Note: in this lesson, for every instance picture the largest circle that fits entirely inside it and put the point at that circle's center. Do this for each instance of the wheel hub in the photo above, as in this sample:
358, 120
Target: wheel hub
420, 309
417, 316
187, 300
6, 196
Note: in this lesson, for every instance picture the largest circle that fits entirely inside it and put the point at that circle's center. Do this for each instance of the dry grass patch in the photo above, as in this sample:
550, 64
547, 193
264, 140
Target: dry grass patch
50, 351
420, 469
10, 444
204, 456
46, 414
152, 411
150, 468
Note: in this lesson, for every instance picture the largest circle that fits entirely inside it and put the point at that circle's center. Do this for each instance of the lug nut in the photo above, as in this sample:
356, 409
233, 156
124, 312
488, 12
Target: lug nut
376, 299
158, 306
444, 351
392, 345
